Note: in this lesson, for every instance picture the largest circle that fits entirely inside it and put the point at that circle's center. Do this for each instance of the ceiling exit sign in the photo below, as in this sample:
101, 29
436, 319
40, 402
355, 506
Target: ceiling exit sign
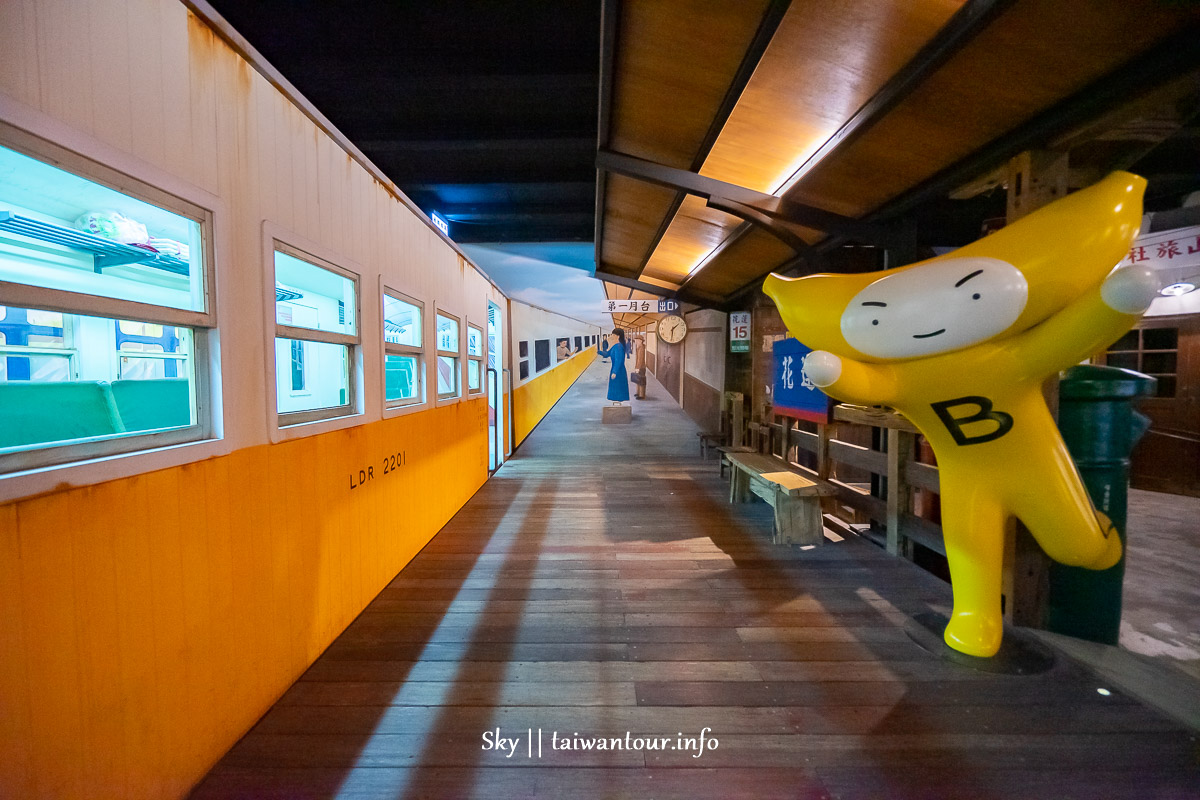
739, 332
440, 222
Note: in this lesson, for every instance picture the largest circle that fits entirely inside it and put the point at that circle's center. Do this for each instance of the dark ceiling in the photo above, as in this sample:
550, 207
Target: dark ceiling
486, 111
482, 110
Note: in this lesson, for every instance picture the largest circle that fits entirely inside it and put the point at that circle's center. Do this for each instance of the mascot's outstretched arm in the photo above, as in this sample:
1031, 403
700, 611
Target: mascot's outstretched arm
851, 381
1089, 324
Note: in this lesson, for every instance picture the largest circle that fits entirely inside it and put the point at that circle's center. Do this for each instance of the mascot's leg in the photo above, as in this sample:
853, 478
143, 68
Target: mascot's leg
1055, 507
973, 524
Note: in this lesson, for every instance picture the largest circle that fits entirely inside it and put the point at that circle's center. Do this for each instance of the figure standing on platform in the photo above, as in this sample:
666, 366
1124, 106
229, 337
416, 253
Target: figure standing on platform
639, 367
618, 380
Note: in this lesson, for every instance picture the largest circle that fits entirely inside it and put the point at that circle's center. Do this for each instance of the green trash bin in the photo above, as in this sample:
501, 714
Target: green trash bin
1100, 426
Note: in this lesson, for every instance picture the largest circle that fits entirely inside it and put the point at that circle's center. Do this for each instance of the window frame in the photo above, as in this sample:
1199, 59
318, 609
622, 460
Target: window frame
391, 348
479, 359
281, 242
458, 393
1140, 351
70, 350
85, 163
550, 356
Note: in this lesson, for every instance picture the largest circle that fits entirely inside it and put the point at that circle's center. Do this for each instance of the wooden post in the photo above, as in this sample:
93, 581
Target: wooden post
736, 413
899, 493
1035, 178
824, 432
824, 467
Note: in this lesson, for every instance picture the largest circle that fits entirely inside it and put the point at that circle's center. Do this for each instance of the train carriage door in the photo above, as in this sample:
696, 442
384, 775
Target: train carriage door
496, 388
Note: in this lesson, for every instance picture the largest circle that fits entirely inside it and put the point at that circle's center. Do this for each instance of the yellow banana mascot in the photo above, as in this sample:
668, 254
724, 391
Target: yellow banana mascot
961, 345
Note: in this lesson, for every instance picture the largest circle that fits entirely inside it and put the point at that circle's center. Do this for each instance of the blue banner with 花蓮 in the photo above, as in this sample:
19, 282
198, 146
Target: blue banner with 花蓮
794, 394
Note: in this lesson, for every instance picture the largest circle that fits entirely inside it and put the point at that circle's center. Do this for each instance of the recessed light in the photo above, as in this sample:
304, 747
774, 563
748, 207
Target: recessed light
1176, 289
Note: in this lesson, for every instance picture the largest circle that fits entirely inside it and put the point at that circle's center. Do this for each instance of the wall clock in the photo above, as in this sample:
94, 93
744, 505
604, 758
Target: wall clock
672, 328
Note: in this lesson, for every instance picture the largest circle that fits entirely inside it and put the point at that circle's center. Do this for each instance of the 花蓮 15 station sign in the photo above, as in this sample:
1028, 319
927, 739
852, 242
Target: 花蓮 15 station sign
739, 332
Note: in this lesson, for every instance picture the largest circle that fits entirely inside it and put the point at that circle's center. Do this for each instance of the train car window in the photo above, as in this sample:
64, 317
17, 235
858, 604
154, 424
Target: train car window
523, 349
104, 334
449, 380
404, 359
474, 359
578, 343
541, 354
474, 341
65, 232
316, 337
524, 370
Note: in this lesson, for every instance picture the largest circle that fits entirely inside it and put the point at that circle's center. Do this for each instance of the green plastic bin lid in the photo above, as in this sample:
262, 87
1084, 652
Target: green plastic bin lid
1092, 382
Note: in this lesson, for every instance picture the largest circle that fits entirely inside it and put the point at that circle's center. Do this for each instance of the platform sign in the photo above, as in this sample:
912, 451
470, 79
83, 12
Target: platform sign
628, 306
640, 306
794, 394
739, 332
440, 222
1179, 248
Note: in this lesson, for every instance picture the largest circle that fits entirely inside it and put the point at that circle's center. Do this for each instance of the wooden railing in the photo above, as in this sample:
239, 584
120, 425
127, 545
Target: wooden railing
897, 464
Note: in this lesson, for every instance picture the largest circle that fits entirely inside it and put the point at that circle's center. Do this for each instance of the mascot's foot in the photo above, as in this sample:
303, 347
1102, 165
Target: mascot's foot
974, 634
1113, 549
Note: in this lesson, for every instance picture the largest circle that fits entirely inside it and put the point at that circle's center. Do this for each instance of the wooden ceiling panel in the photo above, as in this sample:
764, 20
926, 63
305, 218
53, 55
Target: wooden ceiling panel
743, 260
824, 62
694, 232
1033, 56
665, 284
633, 211
675, 61
615, 291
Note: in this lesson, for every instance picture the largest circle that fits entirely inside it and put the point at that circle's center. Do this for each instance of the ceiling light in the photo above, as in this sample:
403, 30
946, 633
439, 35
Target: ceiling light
1176, 289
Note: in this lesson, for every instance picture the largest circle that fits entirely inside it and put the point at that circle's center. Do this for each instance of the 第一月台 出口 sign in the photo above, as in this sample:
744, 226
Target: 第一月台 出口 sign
640, 306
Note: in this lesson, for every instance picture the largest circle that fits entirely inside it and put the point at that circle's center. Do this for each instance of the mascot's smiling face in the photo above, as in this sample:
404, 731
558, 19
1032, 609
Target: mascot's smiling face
936, 308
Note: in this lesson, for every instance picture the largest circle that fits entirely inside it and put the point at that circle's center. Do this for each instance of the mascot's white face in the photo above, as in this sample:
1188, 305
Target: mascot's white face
935, 308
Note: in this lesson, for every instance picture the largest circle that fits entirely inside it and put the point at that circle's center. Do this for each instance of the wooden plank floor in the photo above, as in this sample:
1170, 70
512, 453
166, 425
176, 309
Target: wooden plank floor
1161, 612
600, 585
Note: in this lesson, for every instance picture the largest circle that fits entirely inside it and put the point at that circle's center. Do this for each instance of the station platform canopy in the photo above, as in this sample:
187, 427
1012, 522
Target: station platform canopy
737, 139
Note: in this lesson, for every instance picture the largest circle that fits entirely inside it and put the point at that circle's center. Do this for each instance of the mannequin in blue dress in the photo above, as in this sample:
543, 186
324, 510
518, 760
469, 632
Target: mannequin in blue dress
618, 378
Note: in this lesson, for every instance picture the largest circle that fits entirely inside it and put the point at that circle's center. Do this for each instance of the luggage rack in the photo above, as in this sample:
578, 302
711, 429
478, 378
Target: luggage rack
106, 252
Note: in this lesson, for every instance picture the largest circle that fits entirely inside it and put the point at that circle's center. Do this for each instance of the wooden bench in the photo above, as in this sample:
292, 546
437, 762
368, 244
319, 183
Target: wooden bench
708, 440
725, 450
729, 424
795, 498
